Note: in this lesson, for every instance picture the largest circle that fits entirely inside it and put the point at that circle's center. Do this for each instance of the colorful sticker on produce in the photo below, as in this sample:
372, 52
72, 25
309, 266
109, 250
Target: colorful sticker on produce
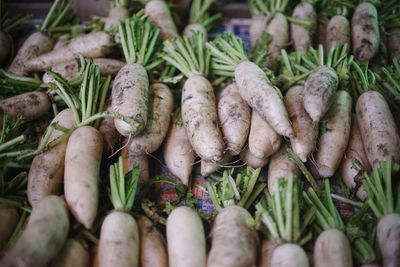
203, 199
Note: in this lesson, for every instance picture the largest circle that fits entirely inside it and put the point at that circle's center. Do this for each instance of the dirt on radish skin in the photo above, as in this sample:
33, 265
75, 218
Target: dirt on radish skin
158, 11
365, 32
305, 131
263, 140
234, 118
178, 153
161, 107
332, 249
119, 241
249, 159
73, 254
91, 45
186, 238
289, 255
42, 238
301, 36
9, 220
153, 251
263, 97
378, 130
278, 28
388, 233
29, 106
116, 14
70, 69
5, 44
234, 243
279, 167
355, 154
334, 139
130, 160
81, 174
130, 97
319, 90
200, 118
47, 169
337, 32
35, 45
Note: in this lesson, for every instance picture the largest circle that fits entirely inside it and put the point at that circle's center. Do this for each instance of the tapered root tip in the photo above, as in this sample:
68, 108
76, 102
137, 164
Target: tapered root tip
325, 171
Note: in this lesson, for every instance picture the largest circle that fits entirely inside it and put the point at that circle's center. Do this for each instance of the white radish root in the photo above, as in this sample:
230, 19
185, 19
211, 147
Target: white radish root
280, 167
119, 241
47, 169
234, 243
305, 131
257, 27
378, 129
319, 90
234, 118
200, 119
130, 160
178, 153
91, 45
289, 255
249, 159
333, 141
30, 106
261, 96
365, 31
195, 27
301, 36
355, 154
116, 14
337, 32
42, 237
153, 250
278, 28
332, 249
185, 239
35, 45
130, 97
263, 140
161, 107
388, 233
81, 174
158, 11
70, 69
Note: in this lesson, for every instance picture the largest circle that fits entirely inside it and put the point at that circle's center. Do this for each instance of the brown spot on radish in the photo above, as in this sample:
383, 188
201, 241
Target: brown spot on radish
383, 148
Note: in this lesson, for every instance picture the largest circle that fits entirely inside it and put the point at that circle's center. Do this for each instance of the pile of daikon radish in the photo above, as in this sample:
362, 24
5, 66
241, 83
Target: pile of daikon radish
110, 128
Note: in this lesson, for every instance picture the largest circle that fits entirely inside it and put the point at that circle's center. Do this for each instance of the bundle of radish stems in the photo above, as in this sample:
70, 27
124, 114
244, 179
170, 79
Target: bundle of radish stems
133, 140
